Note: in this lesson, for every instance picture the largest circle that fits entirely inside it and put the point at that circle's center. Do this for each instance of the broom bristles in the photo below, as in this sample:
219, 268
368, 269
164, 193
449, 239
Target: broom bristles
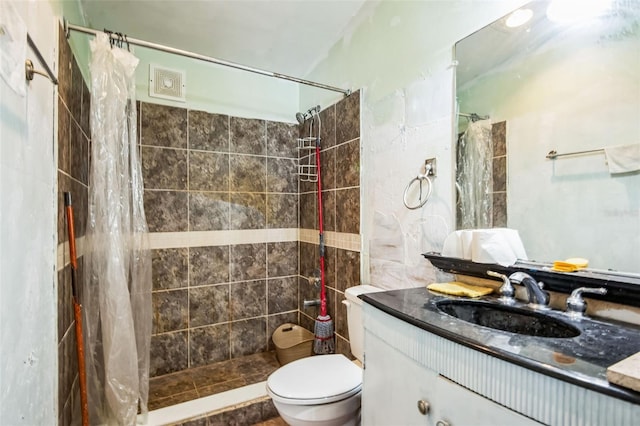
324, 342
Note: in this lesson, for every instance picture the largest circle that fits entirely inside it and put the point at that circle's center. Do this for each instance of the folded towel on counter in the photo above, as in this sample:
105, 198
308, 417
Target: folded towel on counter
623, 158
457, 288
570, 265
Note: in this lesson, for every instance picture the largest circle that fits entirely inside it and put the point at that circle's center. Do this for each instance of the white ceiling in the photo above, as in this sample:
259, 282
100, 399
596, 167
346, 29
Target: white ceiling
283, 36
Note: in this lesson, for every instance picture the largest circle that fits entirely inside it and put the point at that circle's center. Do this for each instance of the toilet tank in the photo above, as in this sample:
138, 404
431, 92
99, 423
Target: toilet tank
354, 317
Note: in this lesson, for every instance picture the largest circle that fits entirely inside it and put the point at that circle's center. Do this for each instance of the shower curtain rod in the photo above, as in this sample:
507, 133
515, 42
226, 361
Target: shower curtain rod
71, 27
473, 116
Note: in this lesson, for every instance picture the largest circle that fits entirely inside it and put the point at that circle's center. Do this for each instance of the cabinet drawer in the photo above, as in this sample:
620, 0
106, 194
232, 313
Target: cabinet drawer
458, 406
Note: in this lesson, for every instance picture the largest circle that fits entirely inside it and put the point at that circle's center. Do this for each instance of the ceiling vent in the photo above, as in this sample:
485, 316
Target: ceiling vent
166, 83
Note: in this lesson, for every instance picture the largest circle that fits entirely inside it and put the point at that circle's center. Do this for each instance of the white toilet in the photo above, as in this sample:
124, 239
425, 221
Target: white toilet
324, 390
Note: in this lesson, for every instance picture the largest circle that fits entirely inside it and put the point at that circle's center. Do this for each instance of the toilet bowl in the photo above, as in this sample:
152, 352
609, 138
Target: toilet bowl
324, 390
319, 390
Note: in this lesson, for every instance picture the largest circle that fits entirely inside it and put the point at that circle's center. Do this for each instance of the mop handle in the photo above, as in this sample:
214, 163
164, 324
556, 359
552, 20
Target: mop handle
72, 242
77, 311
323, 294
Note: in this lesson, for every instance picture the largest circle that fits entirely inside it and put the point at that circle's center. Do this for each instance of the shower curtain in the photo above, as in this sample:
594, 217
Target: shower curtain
474, 176
117, 289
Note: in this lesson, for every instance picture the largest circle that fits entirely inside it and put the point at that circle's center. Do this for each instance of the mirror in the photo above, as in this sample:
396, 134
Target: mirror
565, 84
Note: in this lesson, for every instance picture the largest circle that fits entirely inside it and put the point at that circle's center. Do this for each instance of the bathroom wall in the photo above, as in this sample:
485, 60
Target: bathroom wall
221, 199
74, 102
28, 337
221, 89
340, 178
407, 111
209, 87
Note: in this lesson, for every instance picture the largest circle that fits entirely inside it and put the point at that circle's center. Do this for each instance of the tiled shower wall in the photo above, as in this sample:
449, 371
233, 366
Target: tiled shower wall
499, 139
221, 198
340, 176
73, 170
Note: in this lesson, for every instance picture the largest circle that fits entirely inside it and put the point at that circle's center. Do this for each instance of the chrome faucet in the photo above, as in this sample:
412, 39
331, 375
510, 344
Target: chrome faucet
538, 298
507, 292
576, 306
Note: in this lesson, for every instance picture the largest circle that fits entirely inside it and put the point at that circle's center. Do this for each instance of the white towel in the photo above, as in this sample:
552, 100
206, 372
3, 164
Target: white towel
623, 158
496, 245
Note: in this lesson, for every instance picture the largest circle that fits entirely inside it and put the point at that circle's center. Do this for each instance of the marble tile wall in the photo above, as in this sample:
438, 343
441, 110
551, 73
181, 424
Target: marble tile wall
499, 138
340, 175
210, 172
73, 169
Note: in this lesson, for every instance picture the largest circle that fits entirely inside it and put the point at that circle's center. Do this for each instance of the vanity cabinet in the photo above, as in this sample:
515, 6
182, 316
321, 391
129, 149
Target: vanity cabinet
464, 385
400, 391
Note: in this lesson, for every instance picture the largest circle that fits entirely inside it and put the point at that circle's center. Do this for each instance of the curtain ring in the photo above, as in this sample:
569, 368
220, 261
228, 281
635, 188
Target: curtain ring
421, 201
109, 33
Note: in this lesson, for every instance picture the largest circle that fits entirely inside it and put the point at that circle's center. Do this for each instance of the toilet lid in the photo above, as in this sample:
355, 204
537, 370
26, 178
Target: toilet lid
319, 379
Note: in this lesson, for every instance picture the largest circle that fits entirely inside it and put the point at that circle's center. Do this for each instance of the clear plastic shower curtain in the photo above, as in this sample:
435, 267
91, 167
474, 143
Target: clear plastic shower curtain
117, 292
474, 176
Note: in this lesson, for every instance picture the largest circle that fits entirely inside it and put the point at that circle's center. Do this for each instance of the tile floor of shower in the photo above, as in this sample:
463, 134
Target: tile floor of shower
199, 382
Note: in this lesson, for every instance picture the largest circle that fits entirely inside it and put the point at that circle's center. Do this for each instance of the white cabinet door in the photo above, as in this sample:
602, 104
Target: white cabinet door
457, 406
392, 386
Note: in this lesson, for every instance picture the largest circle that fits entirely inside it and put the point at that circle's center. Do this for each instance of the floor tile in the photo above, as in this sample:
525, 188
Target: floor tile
208, 380
156, 403
170, 384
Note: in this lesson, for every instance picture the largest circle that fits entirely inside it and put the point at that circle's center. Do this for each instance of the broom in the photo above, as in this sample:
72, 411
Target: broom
77, 310
324, 342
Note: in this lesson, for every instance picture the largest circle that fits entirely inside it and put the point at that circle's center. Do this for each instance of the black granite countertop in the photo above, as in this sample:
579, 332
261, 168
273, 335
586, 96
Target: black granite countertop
581, 360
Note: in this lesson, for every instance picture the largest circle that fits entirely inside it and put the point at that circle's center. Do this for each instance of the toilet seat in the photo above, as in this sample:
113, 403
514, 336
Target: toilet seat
320, 379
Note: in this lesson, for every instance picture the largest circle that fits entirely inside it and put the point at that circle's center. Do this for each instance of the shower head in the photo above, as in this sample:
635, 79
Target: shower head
304, 116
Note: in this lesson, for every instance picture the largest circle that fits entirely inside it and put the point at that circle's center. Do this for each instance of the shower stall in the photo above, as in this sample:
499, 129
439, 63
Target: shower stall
236, 225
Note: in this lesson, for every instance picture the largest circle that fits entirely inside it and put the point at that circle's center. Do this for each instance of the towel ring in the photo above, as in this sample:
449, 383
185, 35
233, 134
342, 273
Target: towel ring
421, 201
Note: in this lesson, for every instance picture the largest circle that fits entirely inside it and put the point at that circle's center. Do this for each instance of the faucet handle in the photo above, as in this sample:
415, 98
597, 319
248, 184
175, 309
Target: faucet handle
576, 306
507, 291
314, 278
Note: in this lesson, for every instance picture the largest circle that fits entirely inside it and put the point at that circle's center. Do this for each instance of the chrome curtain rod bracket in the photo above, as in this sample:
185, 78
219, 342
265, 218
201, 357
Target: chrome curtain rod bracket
29, 68
473, 116
70, 27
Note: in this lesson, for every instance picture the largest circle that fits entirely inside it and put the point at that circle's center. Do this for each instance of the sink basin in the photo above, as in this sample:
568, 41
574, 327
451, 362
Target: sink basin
508, 318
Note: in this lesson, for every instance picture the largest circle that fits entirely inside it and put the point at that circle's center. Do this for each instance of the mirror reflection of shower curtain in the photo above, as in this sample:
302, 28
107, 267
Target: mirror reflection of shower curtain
474, 176
117, 262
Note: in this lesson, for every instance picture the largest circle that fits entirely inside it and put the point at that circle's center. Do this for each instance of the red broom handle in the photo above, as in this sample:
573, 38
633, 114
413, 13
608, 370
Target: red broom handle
84, 405
77, 311
323, 294
72, 240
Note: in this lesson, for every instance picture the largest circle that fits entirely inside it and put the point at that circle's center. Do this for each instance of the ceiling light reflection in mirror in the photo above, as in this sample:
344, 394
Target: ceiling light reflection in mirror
566, 11
519, 17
